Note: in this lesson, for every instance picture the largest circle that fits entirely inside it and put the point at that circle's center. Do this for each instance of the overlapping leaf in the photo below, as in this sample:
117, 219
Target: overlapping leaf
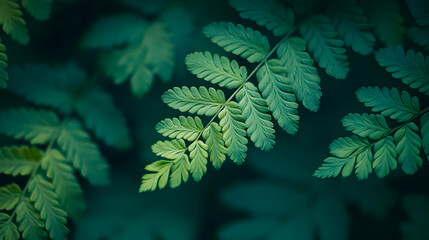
9, 196
245, 42
214, 139
12, 21
19, 160
30, 223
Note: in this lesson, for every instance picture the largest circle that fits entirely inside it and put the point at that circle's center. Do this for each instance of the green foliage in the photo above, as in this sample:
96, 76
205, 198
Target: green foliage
12, 21
411, 67
19, 160
3, 65
39, 9
386, 147
143, 50
419, 9
281, 82
419, 36
67, 89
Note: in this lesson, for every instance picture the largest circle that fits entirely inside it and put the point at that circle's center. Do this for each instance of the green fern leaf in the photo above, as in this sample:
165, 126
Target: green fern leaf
333, 166
302, 73
245, 42
12, 21
234, 132
152, 56
327, 49
352, 25
115, 30
38, 127
55, 86
348, 146
65, 183
411, 67
216, 69
373, 126
169, 149
201, 100
386, 20
364, 164
270, 14
45, 200
19, 160
198, 155
83, 153
384, 157
424, 130
39, 9
8, 230
3, 66
102, 116
420, 10
30, 224
258, 121
389, 102
180, 171
419, 36
186, 128
277, 91
408, 144
158, 179
214, 139
9, 196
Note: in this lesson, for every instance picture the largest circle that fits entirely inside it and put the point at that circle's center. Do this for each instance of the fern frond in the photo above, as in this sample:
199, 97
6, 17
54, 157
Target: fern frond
8, 229
19, 160
55, 86
270, 14
327, 49
245, 42
389, 102
200, 100
302, 73
214, 139
39, 9
30, 224
198, 154
101, 115
333, 166
216, 69
4, 77
424, 130
181, 128
384, 156
420, 10
419, 36
347, 146
411, 67
255, 112
65, 183
9, 196
115, 31
151, 181
38, 127
45, 200
352, 26
12, 21
169, 149
234, 132
373, 126
385, 19
83, 153
142, 61
408, 144
364, 164
278, 92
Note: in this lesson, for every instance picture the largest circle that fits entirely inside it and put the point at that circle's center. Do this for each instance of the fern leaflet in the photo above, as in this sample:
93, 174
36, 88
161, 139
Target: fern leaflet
30, 223
8, 229
4, 77
39, 9
181, 128
10, 195
19, 160
12, 21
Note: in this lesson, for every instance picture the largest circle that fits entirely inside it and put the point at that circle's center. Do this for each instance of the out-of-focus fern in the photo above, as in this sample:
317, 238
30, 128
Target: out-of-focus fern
282, 80
417, 209
13, 24
146, 50
58, 147
420, 10
376, 146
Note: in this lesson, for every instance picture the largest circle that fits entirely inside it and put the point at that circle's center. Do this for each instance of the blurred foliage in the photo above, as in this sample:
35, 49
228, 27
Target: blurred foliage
67, 79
